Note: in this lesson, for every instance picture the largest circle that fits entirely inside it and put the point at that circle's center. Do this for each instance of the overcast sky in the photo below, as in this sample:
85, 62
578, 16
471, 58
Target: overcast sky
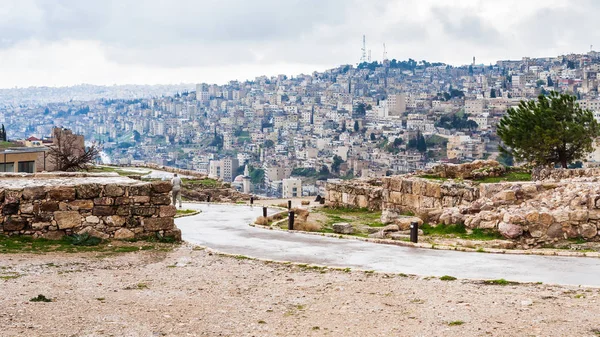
67, 42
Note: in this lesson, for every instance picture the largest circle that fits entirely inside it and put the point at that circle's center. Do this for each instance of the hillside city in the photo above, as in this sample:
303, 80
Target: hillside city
295, 133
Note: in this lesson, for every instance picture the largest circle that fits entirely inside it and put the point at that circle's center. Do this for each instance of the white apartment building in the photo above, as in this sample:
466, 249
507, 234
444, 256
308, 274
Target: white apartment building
291, 188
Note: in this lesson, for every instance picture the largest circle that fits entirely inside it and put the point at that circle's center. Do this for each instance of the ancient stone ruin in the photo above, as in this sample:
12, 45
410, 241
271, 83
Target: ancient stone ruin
51, 205
564, 206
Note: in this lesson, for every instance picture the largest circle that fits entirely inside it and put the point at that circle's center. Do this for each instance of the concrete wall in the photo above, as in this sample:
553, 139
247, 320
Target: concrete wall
123, 209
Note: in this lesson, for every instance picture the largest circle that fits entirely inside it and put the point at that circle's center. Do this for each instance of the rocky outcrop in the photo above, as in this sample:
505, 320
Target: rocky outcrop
477, 169
96, 204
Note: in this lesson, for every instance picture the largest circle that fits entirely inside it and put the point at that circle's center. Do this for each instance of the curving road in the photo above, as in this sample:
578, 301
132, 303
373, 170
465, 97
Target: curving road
225, 228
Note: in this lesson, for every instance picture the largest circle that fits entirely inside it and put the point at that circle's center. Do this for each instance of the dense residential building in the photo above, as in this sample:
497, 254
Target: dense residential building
367, 120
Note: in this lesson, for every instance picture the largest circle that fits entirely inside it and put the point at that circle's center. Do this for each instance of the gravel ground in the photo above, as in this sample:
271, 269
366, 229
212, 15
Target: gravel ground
190, 292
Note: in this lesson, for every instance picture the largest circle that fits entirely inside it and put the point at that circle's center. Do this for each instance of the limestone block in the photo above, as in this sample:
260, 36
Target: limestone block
506, 195
40, 225
488, 224
141, 199
175, 233
555, 231
418, 187
404, 222
92, 219
81, 204
546, 219
342, 228
167, 211
123, 234
88, 191
104, 201
156, 224
579, 215
140, 189
49, 206
123, 200
12, 196
103, 210
161, 186
143, 210
114, 190
410, 201
433, 190
560, 216
407, 186
14, 223
67, 219
61, 193
532, 217
114, 220
395, 197
34, 193
26, 208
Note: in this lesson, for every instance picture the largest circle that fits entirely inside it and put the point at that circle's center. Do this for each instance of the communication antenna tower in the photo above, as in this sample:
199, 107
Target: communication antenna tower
364, 50
384, 53
369, 55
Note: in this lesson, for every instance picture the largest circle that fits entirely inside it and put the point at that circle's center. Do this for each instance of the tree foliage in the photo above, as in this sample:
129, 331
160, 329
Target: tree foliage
550, 130
2, 134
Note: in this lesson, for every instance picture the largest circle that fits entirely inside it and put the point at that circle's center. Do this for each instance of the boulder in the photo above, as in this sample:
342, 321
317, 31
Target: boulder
67, 219
588, 230
509, 230
93, 232
123, 234
162, 186
404, 222
390, 228
342, 228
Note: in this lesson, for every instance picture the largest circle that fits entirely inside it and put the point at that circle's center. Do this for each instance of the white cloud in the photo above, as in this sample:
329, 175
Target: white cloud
63, 42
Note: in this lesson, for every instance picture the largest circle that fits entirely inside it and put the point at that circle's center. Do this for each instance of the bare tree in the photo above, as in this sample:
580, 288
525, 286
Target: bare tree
68, 152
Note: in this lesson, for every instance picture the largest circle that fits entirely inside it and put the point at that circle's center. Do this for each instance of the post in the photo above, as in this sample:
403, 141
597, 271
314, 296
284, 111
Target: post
251, 200
414, 232
291, 220
264, 211
208, 198
289, 204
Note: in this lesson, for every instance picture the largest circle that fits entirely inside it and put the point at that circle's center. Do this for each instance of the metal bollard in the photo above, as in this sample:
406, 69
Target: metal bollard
289, 204
414, 232
291, 221
264, 211
251, 200
208, 198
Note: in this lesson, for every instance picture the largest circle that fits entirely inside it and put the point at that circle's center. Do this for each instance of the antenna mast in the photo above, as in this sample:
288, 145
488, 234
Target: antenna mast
364, 50
384, 53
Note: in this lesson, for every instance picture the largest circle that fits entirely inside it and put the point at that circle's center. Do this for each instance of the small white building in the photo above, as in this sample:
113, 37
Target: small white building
291, 188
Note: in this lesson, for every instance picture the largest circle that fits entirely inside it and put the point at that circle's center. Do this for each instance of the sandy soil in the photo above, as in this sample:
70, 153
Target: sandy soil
191, 292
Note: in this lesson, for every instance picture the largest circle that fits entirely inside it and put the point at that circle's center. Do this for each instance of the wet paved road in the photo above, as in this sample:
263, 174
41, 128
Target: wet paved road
225, 228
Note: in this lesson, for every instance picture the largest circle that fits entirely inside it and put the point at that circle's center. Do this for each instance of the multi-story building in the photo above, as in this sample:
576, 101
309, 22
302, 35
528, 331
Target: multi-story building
291, 188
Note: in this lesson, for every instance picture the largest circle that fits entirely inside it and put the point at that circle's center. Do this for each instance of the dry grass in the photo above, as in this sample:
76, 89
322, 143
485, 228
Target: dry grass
305, 202
303, 225
262, 221
301, 213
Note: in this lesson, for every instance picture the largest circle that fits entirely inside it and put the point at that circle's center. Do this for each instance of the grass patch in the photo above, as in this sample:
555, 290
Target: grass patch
511, 176
500, 282
104, 169
40, 298
443, 229
77, 244
447, 278
202, 183
456, 323
185, 211
10, 277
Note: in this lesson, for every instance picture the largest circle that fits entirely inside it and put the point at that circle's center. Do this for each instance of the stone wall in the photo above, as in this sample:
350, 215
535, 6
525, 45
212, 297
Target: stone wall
534, 213
562, 174
357, 193
102, 205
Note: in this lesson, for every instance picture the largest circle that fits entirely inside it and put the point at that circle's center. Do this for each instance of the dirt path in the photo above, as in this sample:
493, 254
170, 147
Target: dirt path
195, 293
